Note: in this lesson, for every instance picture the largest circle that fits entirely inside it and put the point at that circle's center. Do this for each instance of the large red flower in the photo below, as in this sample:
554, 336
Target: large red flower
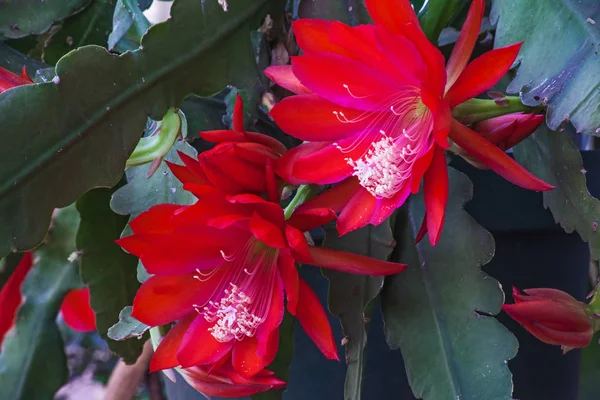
374, 102
221, 267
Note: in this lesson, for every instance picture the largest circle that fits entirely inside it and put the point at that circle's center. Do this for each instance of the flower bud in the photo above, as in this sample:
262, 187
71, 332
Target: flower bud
508, 130
553, 316
504, 132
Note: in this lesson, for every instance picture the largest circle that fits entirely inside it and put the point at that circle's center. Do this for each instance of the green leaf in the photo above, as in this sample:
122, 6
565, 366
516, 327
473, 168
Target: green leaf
98, 104
128, 17
564, 74
439, 311
33, 364
91, 26
350, 294
436, 15
352, 12
32, 17
589, 372
14, 61
127, 327
7, 266
109, 272
141, 192
203, 114
553, 157
283, 359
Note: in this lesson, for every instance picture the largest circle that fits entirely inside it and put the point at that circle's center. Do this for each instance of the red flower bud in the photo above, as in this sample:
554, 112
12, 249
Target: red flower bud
508, 130
552, 316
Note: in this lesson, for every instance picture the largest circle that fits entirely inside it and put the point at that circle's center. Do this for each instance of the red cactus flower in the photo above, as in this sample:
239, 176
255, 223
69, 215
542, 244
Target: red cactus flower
226, 383
9, 80
552, 316
221, 267
241, 162
76, 309
374, 102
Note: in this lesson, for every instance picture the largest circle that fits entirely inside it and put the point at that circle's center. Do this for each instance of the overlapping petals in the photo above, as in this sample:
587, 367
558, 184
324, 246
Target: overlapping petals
374, 101
224, 268
553, 316
241, 162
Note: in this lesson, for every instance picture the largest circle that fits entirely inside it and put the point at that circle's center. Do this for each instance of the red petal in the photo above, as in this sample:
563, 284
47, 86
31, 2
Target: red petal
442, 120
312, 36
77, 311
361, 41
187, 250
482, 73
384, 207
226, 384
267, 232
422, 230
314, 321
283, 76
163, 299
10, 295
246, 358
155, 220
551, 294
419, 168
335, 198
183, 174
353, 263
306, 218
436, 74
298, 244
495, 158
465, 43
312, 118
391, 13
435, 190
355, 85
549, 311
221, 135
289, 278
237, 123
320, 163
552, 336
9, 80
357, 212
165, 355
199, 347
271, 180
402, 53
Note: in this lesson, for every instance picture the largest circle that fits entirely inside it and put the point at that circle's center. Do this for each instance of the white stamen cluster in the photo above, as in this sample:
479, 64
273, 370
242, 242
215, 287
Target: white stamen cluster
378, 170
234, 320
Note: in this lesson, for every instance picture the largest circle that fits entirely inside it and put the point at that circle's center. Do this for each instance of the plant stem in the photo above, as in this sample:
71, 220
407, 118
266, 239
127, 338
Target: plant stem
303, 194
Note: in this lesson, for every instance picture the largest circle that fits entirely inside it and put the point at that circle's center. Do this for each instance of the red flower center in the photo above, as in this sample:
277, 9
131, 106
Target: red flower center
399, 134
242, 299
